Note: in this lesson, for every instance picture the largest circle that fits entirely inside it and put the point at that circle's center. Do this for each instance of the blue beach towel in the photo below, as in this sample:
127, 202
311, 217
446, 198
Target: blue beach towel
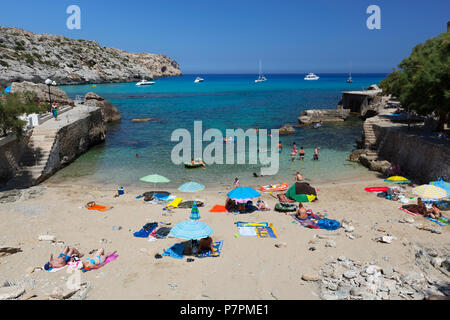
217, 249
176, 251
328, 224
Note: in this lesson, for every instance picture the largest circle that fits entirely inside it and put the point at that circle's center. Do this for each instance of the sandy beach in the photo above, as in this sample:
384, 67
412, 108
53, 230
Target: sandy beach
248, 268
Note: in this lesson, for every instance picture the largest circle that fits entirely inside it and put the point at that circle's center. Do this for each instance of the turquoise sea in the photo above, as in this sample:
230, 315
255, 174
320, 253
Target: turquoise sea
221, 101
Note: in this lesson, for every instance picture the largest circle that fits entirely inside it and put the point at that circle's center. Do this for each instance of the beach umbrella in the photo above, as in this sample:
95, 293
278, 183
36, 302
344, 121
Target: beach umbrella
429, 191
242, 193
191, 187
195, 214
301, 192
191, 230
397, 179
442, 184
154, 178
8, 89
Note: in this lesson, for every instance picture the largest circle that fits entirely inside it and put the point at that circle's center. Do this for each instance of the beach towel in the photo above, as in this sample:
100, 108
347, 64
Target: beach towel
176, 251
55, 269
328, 224
265, 232
442, 221
110, 257
252, 224
217, 249
310, 222
218, 208
99, 207
410, 212
247, 231
174, 203
156, 200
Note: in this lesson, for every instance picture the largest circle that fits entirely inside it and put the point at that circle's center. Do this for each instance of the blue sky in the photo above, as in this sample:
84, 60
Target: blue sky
216, 36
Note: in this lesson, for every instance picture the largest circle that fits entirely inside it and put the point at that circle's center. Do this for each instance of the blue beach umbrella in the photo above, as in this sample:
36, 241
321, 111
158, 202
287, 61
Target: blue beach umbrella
442, 184
191, 187
8, 89
243, 193
191, 230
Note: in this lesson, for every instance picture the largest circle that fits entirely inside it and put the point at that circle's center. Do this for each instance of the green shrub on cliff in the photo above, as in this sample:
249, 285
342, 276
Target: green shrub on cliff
11, 107
422, 82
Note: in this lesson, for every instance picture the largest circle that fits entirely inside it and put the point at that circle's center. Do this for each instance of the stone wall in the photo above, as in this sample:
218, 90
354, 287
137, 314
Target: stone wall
11, 149
422, 159
73, 140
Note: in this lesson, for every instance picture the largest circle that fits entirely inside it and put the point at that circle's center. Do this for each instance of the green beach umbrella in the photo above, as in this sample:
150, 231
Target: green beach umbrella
154, 178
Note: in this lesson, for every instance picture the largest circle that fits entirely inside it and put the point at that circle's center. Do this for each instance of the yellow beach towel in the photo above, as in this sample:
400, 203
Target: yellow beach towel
174, 203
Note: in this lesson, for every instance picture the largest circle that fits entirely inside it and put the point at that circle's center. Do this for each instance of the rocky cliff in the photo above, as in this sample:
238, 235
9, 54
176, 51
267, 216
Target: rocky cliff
36, 57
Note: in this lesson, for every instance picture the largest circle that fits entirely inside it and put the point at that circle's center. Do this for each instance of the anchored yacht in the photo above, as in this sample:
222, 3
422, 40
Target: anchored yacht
144, 82
311, 76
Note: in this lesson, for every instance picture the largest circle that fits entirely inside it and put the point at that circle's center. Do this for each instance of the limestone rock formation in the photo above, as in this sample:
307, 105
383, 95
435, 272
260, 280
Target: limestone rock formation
26, 56
41, 92
286, 130
109, 111
310, 116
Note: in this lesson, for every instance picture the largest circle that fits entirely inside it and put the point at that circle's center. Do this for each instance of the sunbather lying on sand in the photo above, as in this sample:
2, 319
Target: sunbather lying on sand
434, 212
63, 258
98, 260
261, 205
301, 212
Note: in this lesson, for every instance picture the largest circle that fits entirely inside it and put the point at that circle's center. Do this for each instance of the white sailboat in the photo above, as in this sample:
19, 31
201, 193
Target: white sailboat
350, 80
261, 77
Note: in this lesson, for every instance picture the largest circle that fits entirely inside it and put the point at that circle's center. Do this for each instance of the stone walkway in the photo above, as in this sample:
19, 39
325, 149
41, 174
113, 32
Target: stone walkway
42, 139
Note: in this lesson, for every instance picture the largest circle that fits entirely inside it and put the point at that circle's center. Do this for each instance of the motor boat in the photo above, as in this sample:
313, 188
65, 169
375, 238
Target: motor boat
311, 76
144, 82
198, 79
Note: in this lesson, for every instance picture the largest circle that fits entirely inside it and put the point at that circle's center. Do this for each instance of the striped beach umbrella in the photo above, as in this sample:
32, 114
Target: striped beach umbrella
195, 214
191, 230
397, 179
429, 191
191, 187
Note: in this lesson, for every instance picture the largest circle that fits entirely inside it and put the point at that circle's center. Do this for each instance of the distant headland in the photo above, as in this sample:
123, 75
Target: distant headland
26, 56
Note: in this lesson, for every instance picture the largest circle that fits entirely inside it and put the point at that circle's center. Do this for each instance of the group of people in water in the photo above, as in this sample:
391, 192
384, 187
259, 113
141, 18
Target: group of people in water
300, 152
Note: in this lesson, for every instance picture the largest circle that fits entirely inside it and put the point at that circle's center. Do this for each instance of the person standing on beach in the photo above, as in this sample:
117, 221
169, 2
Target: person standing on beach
237, 184
301, 153
298, 177
316, 153
280, 147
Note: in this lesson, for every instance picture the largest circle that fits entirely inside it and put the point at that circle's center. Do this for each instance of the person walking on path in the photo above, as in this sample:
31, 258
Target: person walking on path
55, 110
